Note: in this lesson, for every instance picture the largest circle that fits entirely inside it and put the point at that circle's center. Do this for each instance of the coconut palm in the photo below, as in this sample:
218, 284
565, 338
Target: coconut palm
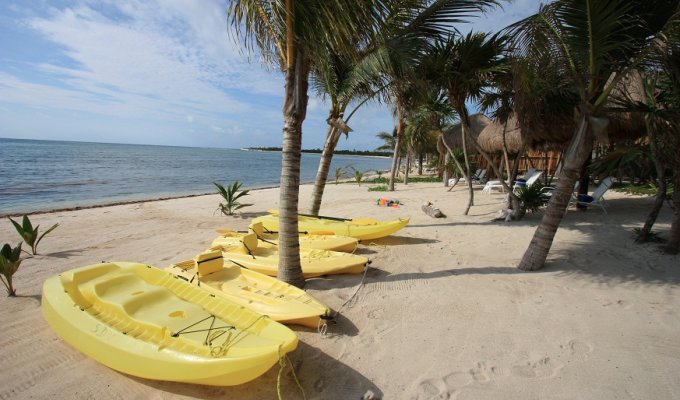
341, 80
293, 34
593, 44
463, 67
409, 34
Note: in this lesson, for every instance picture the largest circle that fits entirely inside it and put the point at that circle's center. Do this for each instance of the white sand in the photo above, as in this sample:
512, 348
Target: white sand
443, 313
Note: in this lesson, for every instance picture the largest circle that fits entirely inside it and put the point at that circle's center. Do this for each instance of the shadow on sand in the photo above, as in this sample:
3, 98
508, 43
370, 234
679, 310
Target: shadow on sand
321, 377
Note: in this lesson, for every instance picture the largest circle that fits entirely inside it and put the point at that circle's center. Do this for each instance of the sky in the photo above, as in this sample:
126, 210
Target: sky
164, 72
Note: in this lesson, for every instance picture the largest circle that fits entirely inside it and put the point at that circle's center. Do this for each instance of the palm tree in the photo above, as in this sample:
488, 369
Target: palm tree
463, 67
341, 80
388, 141
408, 34
295, 33
593, 44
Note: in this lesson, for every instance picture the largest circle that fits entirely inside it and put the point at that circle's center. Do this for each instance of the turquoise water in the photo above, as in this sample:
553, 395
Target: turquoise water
40, 175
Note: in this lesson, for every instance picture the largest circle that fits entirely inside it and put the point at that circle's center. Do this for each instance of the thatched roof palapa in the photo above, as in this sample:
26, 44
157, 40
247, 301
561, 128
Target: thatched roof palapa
452, 135
491, 138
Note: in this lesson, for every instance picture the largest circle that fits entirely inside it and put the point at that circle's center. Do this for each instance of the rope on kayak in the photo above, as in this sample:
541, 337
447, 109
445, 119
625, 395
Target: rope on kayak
209, 330
323, 330
282, 364
239, 264
247, 248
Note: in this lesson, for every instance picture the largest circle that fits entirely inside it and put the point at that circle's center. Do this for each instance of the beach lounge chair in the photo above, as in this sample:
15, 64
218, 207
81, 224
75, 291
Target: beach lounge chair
530, 181
531, 175
478, 176
595, 199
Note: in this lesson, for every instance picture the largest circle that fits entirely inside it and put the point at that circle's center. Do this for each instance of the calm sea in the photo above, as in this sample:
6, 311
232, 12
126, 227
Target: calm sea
40, 175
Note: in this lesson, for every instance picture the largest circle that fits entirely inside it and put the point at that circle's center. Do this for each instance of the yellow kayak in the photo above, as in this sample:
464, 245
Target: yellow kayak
321, 241
146, 322
359, 228
245, 250
261, 293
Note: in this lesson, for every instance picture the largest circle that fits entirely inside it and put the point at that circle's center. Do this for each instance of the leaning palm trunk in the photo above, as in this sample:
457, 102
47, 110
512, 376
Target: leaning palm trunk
646, 230
294, 112
395, 155
673, 245
332, 136
464, 127
574, 157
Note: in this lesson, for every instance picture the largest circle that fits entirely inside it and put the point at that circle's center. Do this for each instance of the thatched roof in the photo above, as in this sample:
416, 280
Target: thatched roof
452, 135
556, 131
491, 138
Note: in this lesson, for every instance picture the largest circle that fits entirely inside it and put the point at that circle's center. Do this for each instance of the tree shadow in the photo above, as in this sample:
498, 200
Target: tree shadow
249, 215
320, 375
36, 297
398, 240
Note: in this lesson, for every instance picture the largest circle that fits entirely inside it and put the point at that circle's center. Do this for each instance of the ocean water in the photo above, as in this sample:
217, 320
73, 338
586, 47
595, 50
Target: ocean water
40, 175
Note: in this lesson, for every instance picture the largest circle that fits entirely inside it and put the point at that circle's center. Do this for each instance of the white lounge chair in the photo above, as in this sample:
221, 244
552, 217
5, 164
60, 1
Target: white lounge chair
528, 176
597, 198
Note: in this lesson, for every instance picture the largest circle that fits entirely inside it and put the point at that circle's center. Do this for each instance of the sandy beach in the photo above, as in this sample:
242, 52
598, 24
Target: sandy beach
443, 312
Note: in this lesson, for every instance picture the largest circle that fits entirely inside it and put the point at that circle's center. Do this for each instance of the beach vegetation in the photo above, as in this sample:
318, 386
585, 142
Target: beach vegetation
30, 234
531, 198
339, 174
231, 196
358, 175
381, 188
10, 260
588, 48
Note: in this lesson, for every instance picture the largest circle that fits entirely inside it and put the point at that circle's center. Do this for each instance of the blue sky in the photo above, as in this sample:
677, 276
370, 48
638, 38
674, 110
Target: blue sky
156, 72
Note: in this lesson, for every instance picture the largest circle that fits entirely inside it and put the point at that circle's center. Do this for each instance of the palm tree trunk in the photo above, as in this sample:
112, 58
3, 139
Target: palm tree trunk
332, 137
574, 157
408, 167
646, 230
420, 163
294, 113
464, 127
673, 245
397, 144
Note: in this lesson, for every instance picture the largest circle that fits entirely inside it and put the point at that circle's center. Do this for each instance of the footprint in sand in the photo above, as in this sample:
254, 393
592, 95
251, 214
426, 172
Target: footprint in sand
434, 389
578, 350
543, 368
615, 303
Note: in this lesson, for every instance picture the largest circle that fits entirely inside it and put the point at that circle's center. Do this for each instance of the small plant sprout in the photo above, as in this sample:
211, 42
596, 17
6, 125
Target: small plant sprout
339, 173
231, 194
30, 234
358, 175
10, 259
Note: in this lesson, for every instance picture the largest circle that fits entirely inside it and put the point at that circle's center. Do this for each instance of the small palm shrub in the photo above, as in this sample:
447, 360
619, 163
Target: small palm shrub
10, 259
231, 194
358, 175
531, 198
30, 234
339, 173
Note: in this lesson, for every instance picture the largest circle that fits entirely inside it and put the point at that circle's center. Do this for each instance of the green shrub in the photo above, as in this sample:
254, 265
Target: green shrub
30, 234
531, 198
231, 194
10, 259
381, 188
339, 173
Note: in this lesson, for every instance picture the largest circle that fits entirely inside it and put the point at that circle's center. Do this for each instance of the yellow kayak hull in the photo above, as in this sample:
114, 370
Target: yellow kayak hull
263, 257
261, 293
359, 228
146, 322
322, 240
